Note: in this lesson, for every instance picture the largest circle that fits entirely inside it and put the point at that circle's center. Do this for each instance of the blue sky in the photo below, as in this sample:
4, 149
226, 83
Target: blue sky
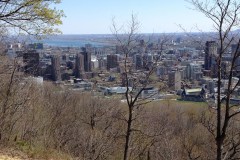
155, 16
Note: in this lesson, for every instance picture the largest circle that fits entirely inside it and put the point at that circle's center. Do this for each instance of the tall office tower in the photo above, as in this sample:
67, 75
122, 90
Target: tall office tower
112, 61
147, 61
87, 60
79, 66
236, 50
138, 61
31, 62
174, 80
210, 52
193, 71
56, 73
102, 63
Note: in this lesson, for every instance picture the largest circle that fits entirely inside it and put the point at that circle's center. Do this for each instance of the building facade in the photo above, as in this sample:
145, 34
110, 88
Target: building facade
79, 66
112, 61
87, 60
56, 73
31, 62
210, 53
174, 80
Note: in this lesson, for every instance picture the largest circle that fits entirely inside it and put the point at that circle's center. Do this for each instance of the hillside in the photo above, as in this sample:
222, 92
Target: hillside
16, 154
12, 154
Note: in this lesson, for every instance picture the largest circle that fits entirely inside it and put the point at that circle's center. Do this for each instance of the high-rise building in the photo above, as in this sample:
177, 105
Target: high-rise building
193, 71
234, 48
147, 61
79, 66
102, 63
138, 61
174, 80
87, 60
112, 61
31, 62
56, 73
235, 51
210, 53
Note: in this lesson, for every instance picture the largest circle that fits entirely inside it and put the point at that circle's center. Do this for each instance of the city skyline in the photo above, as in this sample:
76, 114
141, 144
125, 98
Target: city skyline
157, 16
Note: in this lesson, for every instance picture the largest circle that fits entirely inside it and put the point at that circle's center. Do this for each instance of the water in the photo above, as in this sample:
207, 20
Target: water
71, 43
75, 41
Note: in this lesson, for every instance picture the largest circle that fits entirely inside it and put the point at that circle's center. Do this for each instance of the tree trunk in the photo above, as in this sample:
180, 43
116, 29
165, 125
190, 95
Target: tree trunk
128, 133
219, 114
219, 149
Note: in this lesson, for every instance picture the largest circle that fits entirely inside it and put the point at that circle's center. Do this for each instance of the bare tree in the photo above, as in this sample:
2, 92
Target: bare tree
12, 103
135, 82
225, 17
98, 127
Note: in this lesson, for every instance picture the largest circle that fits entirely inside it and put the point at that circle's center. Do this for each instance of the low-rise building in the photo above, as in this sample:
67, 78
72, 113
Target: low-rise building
195, 94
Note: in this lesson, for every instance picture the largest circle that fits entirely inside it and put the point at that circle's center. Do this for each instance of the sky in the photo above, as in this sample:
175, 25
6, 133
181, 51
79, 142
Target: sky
154, 16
